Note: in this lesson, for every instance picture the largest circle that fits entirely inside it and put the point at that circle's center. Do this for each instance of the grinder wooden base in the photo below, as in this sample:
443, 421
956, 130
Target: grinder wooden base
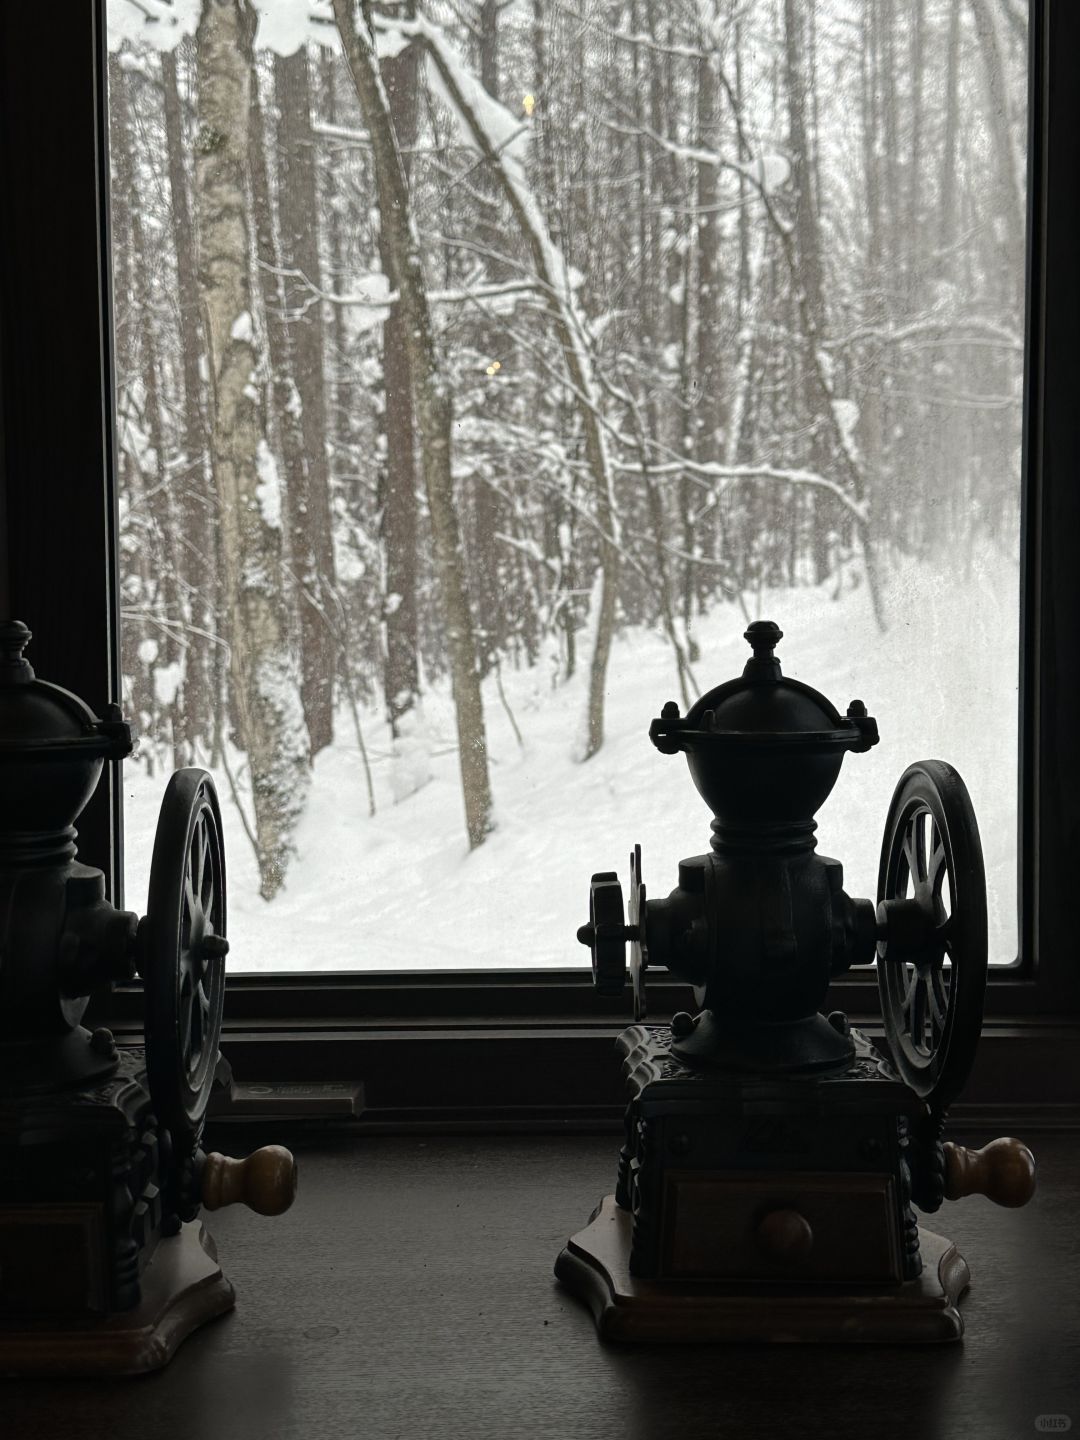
183, 1287
595, 1267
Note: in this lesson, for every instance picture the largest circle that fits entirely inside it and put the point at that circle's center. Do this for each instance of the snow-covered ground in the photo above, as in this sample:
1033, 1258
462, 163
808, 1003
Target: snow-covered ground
400, 891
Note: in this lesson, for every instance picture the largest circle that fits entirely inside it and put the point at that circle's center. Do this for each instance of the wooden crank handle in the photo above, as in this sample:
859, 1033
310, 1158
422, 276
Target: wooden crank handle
265, 1182
1003, 1171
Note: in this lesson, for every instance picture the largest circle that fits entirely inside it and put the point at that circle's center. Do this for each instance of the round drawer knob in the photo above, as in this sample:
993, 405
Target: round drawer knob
785, 1235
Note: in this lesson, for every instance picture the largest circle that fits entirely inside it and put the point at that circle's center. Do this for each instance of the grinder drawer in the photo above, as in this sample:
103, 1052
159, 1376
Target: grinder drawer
786, 1227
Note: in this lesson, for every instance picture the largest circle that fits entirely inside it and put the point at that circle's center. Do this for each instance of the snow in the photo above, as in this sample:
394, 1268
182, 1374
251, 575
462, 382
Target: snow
410, 761
148, 651
284, 25
769, 172
167, 680
847, 417
401, 890
158, 24
371, 300
508, 133
268, 490
241, 329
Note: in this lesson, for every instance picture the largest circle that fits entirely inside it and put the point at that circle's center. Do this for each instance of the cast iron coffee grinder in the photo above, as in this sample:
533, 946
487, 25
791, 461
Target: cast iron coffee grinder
104, 1265
772, 1155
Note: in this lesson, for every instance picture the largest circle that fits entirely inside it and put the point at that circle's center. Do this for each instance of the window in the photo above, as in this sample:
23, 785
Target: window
727, 315
58, 577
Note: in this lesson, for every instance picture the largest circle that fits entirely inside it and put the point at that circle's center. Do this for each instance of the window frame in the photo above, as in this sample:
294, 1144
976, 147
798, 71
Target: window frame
543, 1037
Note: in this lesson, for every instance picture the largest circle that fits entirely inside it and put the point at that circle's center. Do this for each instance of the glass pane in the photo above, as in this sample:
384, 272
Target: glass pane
716, 313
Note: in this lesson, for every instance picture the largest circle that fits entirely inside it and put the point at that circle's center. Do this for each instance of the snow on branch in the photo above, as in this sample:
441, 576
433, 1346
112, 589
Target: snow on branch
378, 297
767, 172
716, 471
283, 25
340, 132
153, 24
502, 140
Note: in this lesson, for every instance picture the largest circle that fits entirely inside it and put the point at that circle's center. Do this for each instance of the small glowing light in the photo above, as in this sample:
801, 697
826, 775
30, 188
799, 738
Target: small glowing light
528, 104
494, 367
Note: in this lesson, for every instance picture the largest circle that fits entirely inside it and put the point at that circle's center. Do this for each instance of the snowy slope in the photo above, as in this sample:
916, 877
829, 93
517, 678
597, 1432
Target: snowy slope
401, 891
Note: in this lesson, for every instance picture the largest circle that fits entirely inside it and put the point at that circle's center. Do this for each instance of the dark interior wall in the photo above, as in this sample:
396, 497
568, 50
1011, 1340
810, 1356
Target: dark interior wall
56, 415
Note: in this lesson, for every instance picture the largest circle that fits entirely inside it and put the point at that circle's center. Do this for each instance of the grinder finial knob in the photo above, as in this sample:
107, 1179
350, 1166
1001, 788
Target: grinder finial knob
764, 636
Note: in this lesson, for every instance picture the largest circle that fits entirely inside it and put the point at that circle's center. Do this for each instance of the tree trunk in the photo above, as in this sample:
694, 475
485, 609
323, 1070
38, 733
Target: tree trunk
948, 208
312, 543
1011, 200
434, 415
271, 724
804, 261
559, 302
198, 509
155, 505
287, 428
400, 76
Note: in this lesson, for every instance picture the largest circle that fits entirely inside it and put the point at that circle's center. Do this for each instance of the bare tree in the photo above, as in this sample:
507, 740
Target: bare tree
434, 413
264, 683
311, 541
398, 517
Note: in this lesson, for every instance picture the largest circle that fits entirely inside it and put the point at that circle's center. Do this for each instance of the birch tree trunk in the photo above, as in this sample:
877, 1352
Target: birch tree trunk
270, 721
434, 415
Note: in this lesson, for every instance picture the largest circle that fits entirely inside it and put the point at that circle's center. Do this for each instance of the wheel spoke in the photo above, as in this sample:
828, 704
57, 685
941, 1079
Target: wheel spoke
914, 849
917, 1025
197, 852
909, 855
909, 989
186, 1007
939, 996
206, 889
200, 1008
937, 869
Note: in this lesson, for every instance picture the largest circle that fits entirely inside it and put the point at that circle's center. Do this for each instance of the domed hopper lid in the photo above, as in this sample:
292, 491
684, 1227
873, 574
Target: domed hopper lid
762, 708
763, 750
52, 749
42, 720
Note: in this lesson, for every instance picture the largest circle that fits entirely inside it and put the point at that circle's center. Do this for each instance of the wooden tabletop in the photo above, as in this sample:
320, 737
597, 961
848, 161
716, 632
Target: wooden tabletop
409, 1293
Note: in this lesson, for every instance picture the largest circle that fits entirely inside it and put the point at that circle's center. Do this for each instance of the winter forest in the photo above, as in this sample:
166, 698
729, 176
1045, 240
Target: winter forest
484, 366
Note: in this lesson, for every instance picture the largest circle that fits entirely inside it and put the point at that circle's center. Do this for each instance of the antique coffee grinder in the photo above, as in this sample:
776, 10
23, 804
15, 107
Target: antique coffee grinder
772, 1155
104, 1265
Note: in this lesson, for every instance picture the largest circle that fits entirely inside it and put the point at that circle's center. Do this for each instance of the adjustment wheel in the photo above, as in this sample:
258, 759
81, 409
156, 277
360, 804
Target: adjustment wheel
182, 955
639, 947
931, 956
606, 933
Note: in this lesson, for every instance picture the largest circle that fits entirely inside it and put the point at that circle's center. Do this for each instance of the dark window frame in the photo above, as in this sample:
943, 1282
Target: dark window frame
58, 571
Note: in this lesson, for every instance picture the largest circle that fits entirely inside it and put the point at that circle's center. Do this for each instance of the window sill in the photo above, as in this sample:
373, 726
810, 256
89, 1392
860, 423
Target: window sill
489, 1074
